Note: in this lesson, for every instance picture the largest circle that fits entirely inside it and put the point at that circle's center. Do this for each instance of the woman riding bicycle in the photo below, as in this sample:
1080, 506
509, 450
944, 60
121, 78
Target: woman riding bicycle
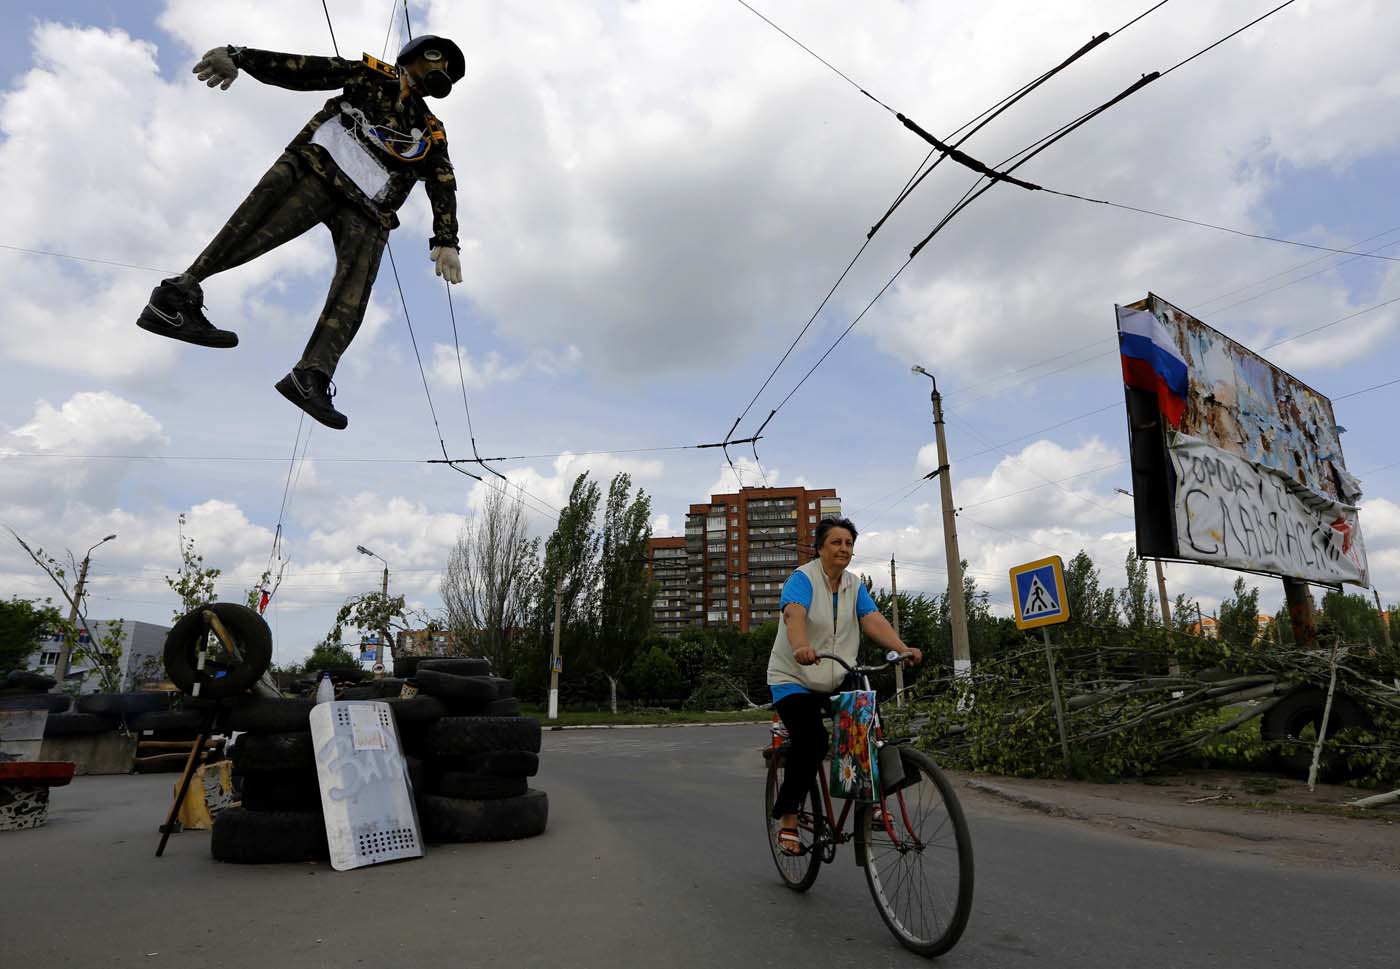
825, 609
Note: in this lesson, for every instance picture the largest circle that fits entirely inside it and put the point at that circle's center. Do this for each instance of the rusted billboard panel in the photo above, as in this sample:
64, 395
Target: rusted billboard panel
1235, 462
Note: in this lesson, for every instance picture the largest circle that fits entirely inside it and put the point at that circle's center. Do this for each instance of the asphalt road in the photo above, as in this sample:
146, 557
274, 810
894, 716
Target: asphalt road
655, 856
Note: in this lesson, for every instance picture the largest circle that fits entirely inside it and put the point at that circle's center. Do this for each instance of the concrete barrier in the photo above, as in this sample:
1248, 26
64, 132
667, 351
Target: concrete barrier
96, 753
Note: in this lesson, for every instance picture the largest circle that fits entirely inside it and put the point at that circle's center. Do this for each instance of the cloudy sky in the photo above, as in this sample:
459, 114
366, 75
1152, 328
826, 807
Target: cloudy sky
654, 198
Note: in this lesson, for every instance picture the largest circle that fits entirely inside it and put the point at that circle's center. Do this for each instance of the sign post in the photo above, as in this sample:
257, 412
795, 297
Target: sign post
1038, 594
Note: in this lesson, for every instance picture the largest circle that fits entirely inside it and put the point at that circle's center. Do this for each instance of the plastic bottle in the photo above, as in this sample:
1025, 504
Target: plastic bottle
325, 690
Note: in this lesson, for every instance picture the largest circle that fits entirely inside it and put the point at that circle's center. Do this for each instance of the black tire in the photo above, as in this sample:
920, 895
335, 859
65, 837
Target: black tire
413, 766
268, 837
507, 707
76, 724
477, 787
457, 665
260, 715
358, 693
1292, 725
119, 705
798, 872
25, 680
406, 666
466, 736
171, 721
274, 752
454, 688
416, 710
54, 703
281, 791
925, 803
456, 820
223, 676
501, 763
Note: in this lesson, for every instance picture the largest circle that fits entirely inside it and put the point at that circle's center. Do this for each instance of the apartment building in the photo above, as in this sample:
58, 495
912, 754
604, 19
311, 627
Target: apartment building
666, 564
738, 550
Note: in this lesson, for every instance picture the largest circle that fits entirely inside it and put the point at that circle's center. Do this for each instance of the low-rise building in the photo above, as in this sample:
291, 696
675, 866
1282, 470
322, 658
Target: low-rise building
142, 659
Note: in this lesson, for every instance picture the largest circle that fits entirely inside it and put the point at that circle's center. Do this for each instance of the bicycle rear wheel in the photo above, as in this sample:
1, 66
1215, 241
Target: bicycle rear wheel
798, 872
918, 863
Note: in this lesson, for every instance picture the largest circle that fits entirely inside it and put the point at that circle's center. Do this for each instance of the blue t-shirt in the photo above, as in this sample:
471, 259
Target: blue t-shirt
798, 589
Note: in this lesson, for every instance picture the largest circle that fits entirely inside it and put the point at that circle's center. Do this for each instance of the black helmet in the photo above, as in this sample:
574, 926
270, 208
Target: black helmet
448, 66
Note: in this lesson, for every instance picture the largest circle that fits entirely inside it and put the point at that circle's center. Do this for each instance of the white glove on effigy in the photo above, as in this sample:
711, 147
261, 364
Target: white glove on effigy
216, 68
447, 263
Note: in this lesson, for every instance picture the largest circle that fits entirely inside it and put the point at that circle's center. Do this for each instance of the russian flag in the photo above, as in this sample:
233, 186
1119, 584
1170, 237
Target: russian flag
1152, 362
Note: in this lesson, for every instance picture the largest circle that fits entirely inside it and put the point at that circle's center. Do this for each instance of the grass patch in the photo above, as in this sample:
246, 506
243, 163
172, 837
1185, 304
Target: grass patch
604, 718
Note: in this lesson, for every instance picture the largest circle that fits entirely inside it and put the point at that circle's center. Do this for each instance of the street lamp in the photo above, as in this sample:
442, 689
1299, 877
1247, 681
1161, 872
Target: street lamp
60, 669
957, 609
383, 633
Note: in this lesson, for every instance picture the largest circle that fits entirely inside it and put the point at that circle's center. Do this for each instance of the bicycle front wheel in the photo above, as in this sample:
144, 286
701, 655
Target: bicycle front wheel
798, 872
918, 858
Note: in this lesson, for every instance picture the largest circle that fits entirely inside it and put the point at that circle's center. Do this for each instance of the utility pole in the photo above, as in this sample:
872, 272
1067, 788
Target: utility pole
1300, 613
957, 608
383, 632
60, 670
1173, 664
898, 667
1385, 626
554, 657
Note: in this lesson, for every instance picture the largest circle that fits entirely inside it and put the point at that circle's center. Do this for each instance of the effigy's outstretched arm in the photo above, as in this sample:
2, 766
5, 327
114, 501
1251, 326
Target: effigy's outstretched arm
219, 67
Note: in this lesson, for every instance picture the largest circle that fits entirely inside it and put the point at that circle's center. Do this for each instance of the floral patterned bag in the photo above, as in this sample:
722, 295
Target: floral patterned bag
854, 765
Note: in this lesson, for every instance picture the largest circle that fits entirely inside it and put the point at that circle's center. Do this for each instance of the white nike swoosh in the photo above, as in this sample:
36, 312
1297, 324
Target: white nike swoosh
177, 320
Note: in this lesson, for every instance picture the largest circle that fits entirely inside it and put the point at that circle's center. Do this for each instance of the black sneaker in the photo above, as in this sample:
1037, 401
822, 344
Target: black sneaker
178, 313
312, 391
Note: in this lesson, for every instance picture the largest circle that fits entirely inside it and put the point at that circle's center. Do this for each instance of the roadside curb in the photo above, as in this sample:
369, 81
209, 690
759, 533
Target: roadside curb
1025, 800
650, 726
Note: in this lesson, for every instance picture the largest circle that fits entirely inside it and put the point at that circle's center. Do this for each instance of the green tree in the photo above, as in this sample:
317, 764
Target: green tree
626, 589
1350, 618
22, 622
102, 653
570, 566
1093, 608
194, 582
654, 676
1136, 602
1239, 617
329, 656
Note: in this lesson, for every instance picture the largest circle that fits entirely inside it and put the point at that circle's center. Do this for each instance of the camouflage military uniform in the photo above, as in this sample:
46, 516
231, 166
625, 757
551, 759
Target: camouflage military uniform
307, 185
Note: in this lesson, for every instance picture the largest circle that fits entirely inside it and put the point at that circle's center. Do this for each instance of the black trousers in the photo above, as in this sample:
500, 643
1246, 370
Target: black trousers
805, 715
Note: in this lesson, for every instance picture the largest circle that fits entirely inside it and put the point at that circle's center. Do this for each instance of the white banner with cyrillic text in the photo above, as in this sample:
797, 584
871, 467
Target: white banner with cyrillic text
1233, 513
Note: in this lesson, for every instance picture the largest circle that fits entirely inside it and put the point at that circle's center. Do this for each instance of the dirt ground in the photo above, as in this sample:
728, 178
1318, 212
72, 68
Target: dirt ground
1250, 813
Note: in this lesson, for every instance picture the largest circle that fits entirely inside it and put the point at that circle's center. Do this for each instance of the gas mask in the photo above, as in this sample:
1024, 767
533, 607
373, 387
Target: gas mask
434, 80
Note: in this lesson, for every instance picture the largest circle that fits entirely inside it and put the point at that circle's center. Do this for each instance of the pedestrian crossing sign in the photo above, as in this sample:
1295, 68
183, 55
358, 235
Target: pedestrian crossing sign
1038, 593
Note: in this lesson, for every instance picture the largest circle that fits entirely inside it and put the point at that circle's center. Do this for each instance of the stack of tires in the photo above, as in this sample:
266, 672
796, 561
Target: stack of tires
151, 718
477, 758
274, 766
23, 690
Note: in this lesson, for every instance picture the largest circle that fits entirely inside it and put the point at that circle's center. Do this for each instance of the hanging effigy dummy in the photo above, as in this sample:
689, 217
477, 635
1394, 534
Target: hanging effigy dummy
349, 169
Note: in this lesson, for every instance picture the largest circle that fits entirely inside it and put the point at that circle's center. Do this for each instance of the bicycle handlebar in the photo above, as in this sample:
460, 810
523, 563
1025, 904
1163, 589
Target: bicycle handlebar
890, 659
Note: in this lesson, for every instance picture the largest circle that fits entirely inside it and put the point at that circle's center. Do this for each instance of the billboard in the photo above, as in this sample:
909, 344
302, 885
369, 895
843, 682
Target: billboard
1235, 462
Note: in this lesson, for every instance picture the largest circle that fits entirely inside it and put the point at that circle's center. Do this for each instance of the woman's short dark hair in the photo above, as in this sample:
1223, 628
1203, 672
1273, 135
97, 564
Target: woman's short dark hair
827, 524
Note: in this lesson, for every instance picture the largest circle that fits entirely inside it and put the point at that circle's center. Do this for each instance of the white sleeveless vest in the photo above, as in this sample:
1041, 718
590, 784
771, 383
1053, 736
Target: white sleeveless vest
837, 633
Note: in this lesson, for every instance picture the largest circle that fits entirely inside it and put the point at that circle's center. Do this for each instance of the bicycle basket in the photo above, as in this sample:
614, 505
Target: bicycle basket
854, 762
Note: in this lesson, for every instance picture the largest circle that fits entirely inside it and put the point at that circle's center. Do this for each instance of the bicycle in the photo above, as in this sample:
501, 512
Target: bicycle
917, 821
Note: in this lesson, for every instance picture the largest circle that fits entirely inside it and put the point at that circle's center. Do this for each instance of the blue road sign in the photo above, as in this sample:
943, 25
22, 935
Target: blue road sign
1039, 593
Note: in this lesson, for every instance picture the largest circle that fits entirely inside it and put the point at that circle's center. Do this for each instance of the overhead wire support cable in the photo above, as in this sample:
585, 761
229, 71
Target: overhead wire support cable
331, 27
980, 121
422, 372
829, 66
